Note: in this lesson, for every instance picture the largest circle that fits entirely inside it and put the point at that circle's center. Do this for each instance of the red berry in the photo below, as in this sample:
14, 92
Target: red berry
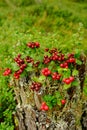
32, 87
7, 72
72, 60
67, 81
42, 107
65, 64
46, 108
37, 44
19, 71
17, 76
33, 46
58, 77
49, 72
67, 61
55, 57
59, 59
46, 59
62, 58
46, 72
46, 69
71, 78
46, 49
19, 55
29, 44
70, 55
61, 65
66, 67
43, 103
54, 77
64, 80
36, 86
37, 89
63, 101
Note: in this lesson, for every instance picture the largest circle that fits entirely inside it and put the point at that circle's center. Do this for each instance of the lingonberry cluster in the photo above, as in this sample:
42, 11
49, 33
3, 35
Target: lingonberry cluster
18, 72
59, 59
36, 64
33, 45
7, 72
29, 59
46, 59
46, 71
36, 86
55, 56
64, 65
21, 63
53, 50
16, 75
18, 60
44, 106
71, 58
70, 55
68, 80
46, 49
56, 76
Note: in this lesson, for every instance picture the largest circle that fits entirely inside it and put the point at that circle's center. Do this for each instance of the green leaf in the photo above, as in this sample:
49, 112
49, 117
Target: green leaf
52, 65
47, 53
49, 105
50, 100
35, 79
54, 101
60, 70
85, 90
23, 74
27, 53
66, 73
59, 102
75, 83
47, 98
58, 95
14, 66
29, 67
66, 86
77, 55
42, 78
79, 62
75, 72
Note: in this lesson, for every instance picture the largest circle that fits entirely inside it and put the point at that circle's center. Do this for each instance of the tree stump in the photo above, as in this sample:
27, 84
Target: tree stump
73, 116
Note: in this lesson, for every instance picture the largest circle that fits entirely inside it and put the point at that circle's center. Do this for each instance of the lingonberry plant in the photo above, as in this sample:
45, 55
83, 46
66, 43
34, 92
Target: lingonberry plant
44, 106
49, 72
36, 86
7, 72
